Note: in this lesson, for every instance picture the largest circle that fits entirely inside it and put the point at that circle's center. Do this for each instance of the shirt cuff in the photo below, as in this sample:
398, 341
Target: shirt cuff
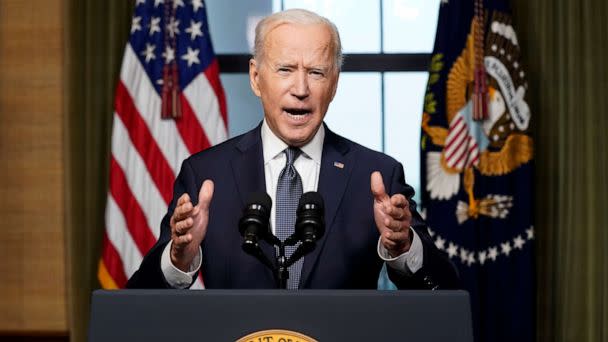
175, 277
408, 262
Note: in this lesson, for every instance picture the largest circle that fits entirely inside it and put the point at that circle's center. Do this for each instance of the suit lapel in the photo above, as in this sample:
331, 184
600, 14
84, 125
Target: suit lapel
248, 171
248, 165
336, 167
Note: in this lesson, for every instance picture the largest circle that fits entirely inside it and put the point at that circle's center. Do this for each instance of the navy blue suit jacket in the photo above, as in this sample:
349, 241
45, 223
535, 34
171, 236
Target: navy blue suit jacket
346, 256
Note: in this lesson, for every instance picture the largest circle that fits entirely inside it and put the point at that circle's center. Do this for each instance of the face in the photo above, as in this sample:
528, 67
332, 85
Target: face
296, 80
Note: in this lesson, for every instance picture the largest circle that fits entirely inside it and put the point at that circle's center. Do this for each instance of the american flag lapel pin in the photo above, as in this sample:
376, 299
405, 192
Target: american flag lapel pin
338, 165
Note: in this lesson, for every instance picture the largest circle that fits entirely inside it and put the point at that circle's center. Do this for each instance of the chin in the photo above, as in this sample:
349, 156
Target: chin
297, 133
298, 140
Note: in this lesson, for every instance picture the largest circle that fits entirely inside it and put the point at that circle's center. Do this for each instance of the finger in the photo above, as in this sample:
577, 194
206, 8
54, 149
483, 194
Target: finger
179, 242
182, 227
205, 195
182, 212
183, 199
394, 225
398, 200
388, 243
398, 237
395, 212
403, 215
377, 187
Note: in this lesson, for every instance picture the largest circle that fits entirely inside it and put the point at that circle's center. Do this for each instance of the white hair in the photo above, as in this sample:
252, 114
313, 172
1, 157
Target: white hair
295, 16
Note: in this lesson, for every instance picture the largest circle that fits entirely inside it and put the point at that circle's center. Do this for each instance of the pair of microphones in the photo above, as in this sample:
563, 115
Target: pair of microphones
254, 226
309, 227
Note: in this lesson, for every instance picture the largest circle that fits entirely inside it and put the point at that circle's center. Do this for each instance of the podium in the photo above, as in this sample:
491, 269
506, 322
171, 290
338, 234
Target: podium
321, 315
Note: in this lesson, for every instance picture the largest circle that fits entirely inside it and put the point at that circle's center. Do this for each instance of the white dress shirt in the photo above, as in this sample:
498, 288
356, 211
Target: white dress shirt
308, 165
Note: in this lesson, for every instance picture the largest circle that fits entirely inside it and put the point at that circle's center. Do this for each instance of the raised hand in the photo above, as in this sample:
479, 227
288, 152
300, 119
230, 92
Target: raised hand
393, 217
189, 226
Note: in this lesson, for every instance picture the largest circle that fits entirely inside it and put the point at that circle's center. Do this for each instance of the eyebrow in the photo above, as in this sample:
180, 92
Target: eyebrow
283, 65
319, 67
295, 65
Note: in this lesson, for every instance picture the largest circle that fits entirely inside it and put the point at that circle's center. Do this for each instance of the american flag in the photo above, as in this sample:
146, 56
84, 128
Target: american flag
169, 104
461, 149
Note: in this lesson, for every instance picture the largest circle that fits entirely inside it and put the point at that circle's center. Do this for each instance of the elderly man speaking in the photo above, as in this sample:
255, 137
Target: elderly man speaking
369, 215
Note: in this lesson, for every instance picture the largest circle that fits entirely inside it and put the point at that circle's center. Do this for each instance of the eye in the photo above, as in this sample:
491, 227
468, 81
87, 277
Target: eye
317, 73
283, 70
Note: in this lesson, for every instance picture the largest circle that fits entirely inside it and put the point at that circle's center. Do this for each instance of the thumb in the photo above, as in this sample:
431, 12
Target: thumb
205, 194
377, 186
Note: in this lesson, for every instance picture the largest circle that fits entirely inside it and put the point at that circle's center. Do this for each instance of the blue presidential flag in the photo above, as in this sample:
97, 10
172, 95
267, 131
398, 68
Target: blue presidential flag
477, 171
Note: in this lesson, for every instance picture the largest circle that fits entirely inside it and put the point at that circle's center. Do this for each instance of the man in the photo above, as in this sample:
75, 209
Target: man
295, 72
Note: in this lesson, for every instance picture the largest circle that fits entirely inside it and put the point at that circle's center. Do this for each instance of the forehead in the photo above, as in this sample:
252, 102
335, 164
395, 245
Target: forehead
298, 40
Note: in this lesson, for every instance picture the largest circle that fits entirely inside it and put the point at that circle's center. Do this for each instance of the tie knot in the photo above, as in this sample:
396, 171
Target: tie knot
292, 154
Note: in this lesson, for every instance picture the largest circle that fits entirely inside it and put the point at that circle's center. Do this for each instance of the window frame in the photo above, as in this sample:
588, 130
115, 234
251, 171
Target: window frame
360, 62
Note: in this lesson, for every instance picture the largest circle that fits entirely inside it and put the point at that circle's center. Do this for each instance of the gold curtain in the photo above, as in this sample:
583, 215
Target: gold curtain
565, 48
96, 33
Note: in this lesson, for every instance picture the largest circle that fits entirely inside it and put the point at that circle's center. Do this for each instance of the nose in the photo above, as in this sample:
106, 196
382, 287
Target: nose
300, 87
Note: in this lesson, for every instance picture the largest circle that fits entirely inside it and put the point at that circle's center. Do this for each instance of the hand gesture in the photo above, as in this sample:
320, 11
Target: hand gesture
393, 217
189, 226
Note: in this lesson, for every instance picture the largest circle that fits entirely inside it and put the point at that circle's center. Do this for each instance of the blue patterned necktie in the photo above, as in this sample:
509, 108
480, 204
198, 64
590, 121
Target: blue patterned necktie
289, 190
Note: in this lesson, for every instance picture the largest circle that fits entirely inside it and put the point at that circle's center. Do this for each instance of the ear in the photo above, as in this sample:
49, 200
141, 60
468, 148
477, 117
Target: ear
335, 87
254, 77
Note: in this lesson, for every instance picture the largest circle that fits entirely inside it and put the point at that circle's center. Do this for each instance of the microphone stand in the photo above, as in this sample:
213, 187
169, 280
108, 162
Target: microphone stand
282, 271
255, 250
284, 262
281, 268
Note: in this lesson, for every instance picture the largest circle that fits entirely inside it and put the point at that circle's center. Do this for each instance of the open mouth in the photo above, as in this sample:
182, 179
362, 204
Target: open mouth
297, 111
300, 115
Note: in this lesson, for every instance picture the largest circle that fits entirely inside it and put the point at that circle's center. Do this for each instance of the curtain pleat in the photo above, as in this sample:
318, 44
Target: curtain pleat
96, 34
565, 48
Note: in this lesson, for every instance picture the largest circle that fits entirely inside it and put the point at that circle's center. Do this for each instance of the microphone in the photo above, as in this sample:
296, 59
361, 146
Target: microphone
253, 225
310, 219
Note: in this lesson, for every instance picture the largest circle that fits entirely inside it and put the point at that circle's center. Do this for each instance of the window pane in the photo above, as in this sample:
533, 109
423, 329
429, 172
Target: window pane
356, 110
358, 21
409, 25
232, 23
403, 100
244, 108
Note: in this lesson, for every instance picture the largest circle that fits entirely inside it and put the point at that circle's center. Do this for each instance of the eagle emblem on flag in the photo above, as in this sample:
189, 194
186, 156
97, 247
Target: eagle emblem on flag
494, 145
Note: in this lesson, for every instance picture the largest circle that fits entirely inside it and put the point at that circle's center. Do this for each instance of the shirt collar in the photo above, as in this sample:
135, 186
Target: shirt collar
273, 145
